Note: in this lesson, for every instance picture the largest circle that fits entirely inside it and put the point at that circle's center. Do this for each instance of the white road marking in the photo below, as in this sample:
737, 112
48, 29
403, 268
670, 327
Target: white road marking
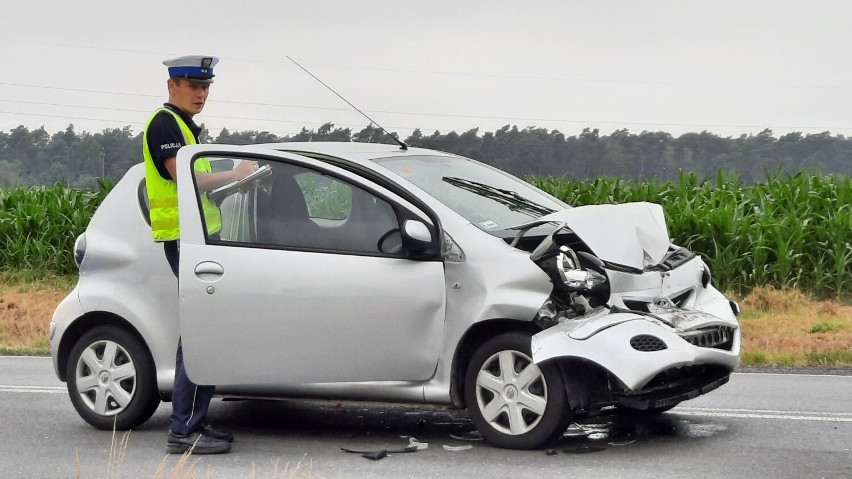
25, 357
7, 388
765, 414
804, 375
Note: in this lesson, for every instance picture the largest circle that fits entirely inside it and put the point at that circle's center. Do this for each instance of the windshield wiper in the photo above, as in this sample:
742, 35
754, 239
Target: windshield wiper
511, 199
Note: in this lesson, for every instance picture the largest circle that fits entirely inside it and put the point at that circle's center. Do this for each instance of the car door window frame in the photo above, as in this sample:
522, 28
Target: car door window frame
403, 209
377, 178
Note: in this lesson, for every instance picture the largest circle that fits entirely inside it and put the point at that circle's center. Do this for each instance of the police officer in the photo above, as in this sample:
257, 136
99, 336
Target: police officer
168, 129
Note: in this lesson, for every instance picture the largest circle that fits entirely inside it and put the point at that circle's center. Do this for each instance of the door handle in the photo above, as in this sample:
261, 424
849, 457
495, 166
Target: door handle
209, 271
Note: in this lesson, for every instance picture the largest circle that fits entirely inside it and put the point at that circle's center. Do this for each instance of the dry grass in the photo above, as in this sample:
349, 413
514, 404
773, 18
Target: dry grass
788, 328
185, 468
779, 327
25, 315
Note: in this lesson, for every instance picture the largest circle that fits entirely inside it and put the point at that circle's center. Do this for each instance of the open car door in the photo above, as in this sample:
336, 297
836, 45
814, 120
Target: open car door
317, 287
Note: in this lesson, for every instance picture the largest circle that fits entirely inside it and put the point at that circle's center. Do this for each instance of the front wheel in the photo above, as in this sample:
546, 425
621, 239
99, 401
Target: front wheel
112, 380
514, 403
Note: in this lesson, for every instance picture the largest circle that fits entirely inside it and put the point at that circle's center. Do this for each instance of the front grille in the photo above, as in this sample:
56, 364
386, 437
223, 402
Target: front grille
679, 379
721, 337
647, 343
673, 386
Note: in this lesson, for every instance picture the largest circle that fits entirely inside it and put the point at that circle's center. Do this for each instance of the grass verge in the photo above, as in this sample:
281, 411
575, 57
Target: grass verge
27, 301
787, 328
780, 328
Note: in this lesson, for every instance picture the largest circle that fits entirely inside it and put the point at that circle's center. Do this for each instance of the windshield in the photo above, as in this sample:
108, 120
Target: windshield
487, 197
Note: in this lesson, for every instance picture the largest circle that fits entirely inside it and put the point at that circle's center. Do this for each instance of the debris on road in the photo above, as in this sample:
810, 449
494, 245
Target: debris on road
414, 445
468, 436
458, 448
413, 442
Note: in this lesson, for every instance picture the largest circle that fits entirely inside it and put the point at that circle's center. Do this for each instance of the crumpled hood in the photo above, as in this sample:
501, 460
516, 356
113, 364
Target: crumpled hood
631, 234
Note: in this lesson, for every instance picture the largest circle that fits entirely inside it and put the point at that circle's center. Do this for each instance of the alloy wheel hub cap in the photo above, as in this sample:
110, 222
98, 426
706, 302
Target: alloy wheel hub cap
510, 392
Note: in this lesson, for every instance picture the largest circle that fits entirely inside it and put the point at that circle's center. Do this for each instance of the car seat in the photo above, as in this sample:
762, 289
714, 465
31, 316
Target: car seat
282, 215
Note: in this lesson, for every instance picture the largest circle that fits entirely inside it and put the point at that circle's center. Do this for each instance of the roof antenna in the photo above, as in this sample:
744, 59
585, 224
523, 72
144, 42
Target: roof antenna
401, 144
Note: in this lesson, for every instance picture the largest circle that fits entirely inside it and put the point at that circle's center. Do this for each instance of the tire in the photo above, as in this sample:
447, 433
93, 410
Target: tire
112, 380
514, 403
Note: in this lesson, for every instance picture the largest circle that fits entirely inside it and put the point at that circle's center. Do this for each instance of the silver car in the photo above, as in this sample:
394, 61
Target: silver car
372, 272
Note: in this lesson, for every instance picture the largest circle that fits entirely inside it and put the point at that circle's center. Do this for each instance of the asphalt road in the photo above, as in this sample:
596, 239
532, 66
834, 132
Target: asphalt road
758, 425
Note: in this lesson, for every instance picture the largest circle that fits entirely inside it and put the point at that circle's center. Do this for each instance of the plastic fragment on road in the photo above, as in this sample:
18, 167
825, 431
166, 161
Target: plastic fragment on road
574, 430
622, 443
468, 436
458, 448
413, 446
413, 442
375, 455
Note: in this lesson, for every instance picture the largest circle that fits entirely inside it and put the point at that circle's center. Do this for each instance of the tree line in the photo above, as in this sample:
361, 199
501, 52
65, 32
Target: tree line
36, 157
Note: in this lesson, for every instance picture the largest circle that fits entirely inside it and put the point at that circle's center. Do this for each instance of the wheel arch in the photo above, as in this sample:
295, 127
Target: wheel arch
587, 383
474, 337
86, 323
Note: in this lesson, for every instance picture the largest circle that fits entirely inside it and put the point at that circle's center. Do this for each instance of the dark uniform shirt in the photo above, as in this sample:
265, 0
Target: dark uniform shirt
165, 138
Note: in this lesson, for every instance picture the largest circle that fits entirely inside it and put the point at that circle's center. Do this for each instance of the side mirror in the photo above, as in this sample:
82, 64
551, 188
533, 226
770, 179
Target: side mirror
415, 230
222, 164
416, 236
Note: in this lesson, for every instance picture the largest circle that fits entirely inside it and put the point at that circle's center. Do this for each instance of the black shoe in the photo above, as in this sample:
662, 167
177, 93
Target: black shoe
197, 442
208, 431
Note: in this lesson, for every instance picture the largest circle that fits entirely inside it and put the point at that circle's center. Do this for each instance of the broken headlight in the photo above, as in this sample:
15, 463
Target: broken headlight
573, 275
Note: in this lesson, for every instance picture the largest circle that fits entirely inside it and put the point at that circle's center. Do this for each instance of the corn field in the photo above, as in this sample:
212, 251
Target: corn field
38, 226
790, 231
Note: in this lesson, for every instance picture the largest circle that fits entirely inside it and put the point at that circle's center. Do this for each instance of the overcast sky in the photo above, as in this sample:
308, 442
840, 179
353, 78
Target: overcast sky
726, 66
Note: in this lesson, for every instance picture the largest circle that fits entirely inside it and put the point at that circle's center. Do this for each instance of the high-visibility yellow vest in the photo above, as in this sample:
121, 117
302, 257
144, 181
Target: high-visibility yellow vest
162, 193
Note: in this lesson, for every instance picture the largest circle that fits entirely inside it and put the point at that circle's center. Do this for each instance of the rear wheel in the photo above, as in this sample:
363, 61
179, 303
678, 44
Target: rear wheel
111, 379
514, 403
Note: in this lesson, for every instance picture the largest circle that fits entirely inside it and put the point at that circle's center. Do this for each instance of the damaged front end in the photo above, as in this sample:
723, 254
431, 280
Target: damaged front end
626, 302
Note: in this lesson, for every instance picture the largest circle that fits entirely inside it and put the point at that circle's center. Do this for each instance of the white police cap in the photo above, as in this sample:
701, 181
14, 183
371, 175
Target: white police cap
197, 68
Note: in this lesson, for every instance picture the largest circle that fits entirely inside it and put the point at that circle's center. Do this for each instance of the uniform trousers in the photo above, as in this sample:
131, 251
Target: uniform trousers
190, 401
